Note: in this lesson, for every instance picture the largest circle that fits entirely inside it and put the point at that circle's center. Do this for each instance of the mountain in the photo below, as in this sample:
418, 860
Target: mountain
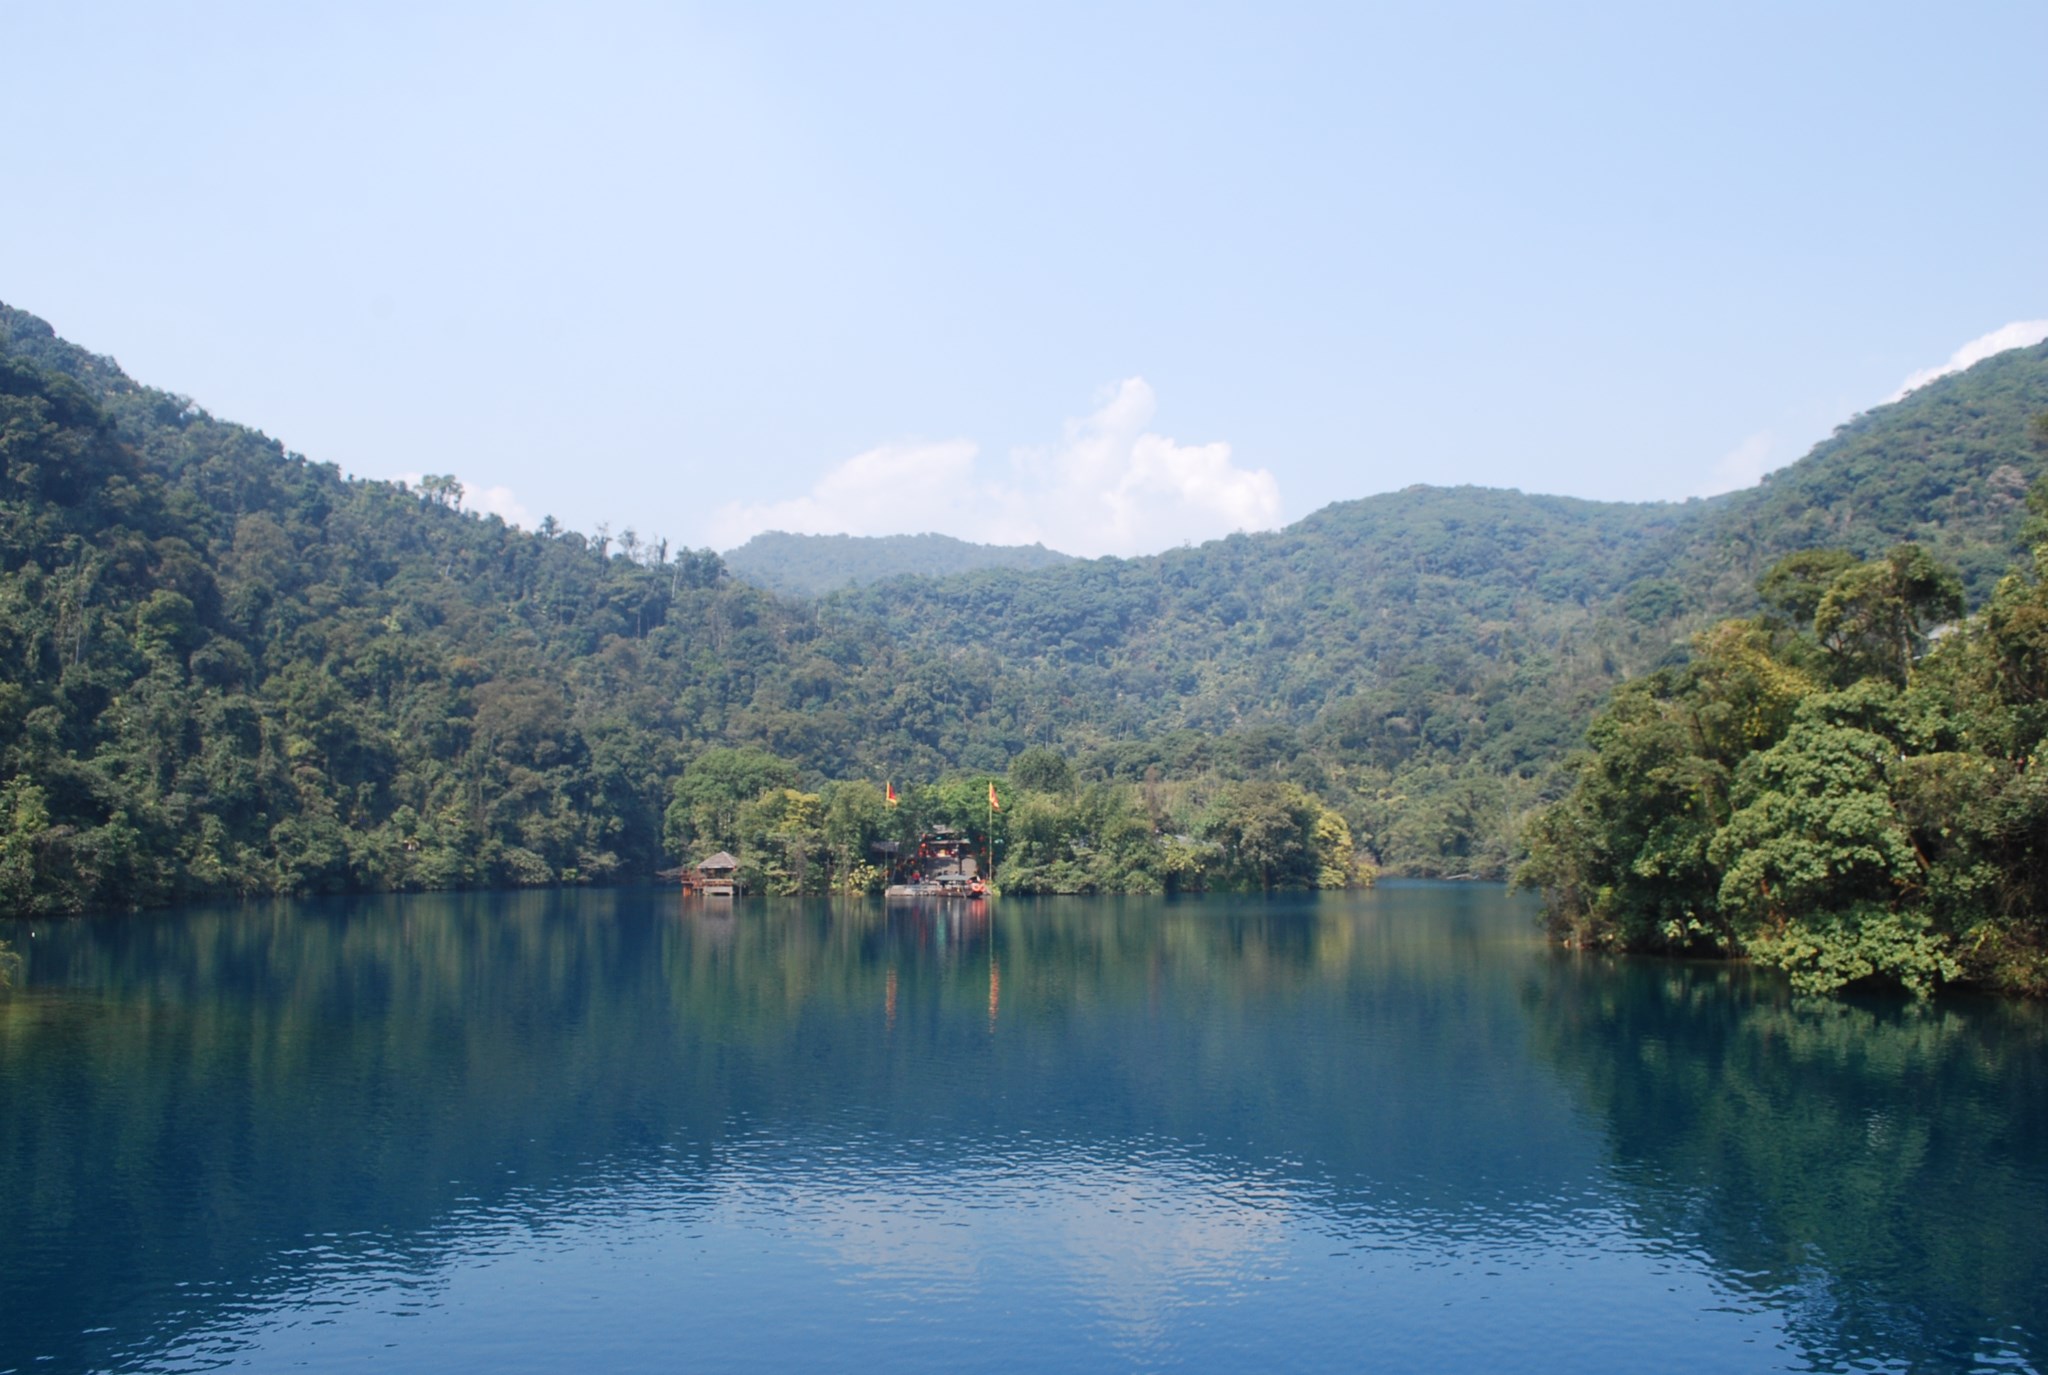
1429, 656
1422, 656
224, 668
1947, 467
810, 565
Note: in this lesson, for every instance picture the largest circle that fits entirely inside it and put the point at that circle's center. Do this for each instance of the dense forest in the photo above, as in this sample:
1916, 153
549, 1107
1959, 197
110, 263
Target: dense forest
1043, 830
230, 669
810, 565
1821, 789
1426, 659
226, 669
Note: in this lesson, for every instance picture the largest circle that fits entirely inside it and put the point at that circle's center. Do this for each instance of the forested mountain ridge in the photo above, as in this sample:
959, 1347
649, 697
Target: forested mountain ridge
810, 565
1422, 657
227, 669
1428, 657
374, 688
1947, 467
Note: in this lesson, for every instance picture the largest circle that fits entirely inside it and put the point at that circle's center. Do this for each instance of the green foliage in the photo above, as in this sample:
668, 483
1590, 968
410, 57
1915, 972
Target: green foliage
1266, 834
705, 805
1813, 826
1795, 584
782, 834
1828, 951
1102, 837
1624, 857
1435, 646
1874, 617
226, 669
1042, 770
1892, 828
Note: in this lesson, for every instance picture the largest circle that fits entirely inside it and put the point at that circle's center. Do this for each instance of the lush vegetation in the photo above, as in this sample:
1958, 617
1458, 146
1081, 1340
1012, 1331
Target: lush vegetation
809, 565
229, 669
1821, 790
226, 669
1420, 659
1047, 833
1948, 468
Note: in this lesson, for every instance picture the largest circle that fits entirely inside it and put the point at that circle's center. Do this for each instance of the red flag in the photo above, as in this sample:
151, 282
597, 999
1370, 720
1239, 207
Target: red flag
993, 805
889, 793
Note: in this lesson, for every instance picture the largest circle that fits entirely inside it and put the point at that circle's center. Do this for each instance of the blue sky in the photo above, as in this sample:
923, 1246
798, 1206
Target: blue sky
1114, 277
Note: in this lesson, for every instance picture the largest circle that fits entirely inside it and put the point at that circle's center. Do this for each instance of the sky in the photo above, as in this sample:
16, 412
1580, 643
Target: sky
1107, 277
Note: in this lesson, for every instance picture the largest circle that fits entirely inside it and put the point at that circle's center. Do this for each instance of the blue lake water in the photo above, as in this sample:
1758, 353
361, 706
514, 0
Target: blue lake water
1387, 1131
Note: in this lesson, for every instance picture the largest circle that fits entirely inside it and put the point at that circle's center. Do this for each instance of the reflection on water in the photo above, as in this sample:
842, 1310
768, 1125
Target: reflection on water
1389, 1129
1878, 1167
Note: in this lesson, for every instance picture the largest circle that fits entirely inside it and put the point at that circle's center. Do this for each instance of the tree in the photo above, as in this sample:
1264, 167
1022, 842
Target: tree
1043, 770
704, 806
781, 837
1875, 616
1821, 875
442, 489
1267, 834
1623, 859
855, 816
1795, 584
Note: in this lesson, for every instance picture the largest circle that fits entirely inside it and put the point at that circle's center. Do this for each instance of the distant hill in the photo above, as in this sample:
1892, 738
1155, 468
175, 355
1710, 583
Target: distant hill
1947, 466
224, 668
1424, 656
812, 565
1430, 655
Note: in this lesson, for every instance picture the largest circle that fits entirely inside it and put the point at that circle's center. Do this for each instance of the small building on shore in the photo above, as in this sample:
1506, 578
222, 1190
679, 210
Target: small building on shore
718, 876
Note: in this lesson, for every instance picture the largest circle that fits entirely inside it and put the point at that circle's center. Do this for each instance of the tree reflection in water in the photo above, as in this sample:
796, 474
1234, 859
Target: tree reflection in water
204, 1113
1873, 1167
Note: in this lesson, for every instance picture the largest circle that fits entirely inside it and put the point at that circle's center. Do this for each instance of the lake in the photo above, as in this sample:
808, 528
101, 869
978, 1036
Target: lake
1389, 1130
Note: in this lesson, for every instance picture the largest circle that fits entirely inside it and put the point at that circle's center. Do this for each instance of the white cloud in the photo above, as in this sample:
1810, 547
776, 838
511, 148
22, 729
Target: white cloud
1742, 466
2017, 335
500, 502
1746, 463
497, 501
1110, 486
890, 489
1136, 1242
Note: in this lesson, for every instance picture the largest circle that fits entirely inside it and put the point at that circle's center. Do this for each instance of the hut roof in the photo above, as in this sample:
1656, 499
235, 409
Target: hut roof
718, 863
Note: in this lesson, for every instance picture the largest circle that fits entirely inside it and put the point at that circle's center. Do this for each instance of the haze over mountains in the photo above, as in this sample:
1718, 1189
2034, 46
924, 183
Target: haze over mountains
229, 669
810, 565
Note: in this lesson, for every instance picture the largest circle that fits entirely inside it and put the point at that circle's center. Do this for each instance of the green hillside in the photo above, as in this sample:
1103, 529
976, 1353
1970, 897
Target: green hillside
224, 668
810, 565
1851, 786
1424, 657
1428, 657
1948, 467
227, 669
